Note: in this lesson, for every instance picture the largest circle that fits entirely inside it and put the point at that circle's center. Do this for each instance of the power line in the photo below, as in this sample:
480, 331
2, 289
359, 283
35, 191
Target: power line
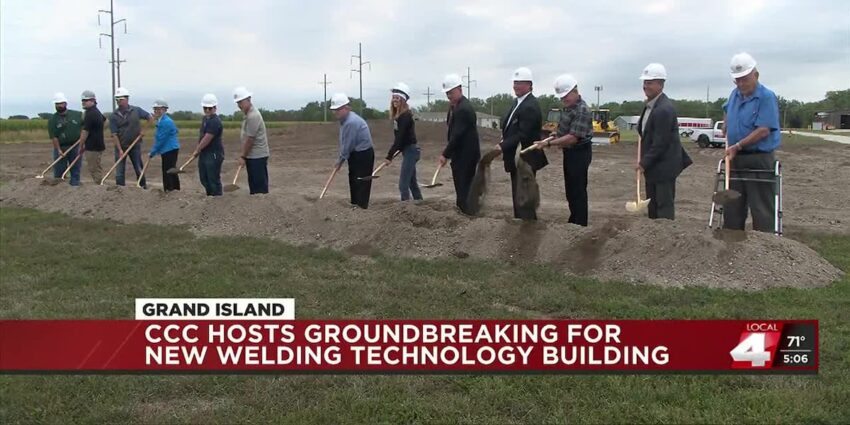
359, 70
325, 83
111, 35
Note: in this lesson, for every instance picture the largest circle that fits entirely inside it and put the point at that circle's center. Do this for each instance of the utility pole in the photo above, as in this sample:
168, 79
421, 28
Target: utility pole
598, 90
325, 83
428, 94
111, 35
118, 62
359, 70
707, 88
469, 82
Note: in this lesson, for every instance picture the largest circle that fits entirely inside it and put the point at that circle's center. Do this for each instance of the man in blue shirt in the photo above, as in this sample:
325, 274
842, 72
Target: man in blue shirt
355, 146
752, 131
210, 149
126, 124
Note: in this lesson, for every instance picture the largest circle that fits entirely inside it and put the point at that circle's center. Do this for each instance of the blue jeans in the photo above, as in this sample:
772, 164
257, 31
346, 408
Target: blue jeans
407, 184
136, 158
62, 165
209, 171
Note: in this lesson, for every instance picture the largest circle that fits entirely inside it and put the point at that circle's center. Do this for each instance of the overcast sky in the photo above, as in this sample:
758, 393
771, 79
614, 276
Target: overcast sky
180, 50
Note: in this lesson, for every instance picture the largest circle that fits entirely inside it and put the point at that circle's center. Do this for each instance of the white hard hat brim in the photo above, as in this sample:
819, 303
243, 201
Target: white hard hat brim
743, 73
451, 88
241, 98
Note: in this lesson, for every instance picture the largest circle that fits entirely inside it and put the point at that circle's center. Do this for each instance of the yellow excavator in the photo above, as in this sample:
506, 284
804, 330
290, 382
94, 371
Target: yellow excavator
602, 127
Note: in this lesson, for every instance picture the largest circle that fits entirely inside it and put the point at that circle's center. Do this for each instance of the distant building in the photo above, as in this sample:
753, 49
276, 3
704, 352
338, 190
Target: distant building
627, 122
484, 120
831, 120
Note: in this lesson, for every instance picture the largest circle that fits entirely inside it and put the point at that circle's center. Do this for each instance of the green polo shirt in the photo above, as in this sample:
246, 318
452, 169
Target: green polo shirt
66, 127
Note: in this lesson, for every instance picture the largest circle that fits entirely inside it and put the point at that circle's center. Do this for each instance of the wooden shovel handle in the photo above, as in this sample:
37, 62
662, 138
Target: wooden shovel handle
637, 172
534, 146
70, 166
383, 164
126, 152
192, 158
144, 169
59, 158
727, 163
436, 173
330, 179
235, 177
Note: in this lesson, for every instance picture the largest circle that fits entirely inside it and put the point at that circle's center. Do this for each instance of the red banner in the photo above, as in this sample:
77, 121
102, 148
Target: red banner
410, 346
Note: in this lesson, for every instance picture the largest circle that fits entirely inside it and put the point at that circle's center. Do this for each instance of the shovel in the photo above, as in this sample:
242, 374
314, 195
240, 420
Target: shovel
727, 196
639, 205
54, 182
330, 179
233, 186
379, 168
142, 175
434, 179
41, 176
180, 170
121, 158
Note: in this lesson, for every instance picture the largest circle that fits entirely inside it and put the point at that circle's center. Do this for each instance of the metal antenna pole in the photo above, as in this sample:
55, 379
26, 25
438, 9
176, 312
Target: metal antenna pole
325, 83
428, 95
359, 70
111, 35
469, 82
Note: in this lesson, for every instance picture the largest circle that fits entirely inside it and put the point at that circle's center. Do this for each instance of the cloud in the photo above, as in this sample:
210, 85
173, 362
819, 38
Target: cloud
180, 50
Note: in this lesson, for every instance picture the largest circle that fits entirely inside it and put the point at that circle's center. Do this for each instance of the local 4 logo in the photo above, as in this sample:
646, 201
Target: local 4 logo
757, 346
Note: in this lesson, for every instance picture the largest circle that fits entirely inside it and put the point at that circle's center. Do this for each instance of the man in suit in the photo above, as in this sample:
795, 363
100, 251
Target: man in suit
662, 157
520, 128
463, 145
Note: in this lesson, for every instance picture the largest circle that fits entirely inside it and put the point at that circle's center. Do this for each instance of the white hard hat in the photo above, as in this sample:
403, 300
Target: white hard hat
122, 92
338, 100
209, 100
742, 64
564, 84
522, 74
654, 71
402, 89
59, 97
88, 95
241, 93
451, 81
160, 103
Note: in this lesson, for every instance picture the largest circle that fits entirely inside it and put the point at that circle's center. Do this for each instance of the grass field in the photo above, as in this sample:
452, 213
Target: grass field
53, 266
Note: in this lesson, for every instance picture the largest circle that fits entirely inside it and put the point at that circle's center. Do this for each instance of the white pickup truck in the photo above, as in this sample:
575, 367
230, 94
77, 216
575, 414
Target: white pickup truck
709, 137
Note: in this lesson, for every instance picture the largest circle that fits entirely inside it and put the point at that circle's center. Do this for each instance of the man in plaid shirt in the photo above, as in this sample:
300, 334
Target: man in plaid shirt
574, 135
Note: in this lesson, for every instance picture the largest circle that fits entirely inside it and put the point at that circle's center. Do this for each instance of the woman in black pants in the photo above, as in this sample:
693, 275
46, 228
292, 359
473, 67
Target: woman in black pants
166, 144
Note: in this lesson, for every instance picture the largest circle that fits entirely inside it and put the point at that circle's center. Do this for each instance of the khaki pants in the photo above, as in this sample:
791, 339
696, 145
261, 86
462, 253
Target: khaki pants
93, 163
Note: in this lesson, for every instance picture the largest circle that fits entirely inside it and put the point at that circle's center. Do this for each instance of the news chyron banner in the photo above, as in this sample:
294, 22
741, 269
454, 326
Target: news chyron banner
263, 336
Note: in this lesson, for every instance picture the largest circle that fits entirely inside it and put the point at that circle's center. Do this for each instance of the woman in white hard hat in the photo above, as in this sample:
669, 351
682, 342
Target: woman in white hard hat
405, 142
166, 145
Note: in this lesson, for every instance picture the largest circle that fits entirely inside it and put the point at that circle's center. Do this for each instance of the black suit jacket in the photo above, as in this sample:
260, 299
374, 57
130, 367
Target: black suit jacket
661, 155
521, 132
463, 146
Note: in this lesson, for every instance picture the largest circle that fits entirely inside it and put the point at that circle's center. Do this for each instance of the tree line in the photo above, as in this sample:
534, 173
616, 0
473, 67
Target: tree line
792, 113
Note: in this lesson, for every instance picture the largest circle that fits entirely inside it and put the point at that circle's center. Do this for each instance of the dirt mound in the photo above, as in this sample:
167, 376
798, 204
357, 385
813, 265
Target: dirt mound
631, 249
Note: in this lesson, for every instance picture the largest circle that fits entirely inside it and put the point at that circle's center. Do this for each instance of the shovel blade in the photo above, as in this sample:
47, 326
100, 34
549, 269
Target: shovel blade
431, 186
367, 178
51, 182
231, 188
175, 171
725, 197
